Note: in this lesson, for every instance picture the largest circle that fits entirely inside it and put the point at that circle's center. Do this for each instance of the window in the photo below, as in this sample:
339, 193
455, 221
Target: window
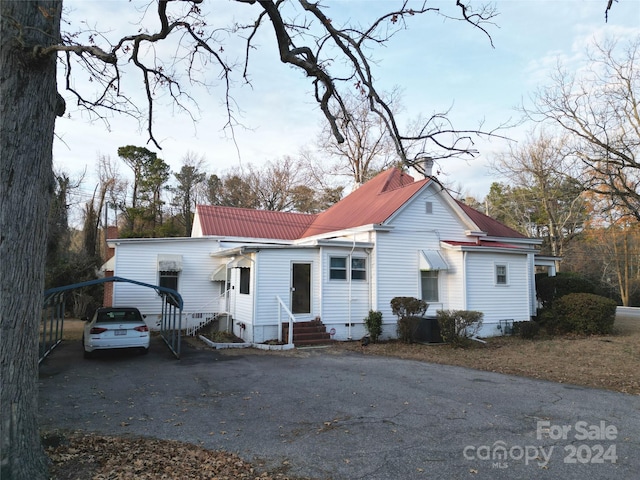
501, 274
358, 269
429, 283
244, 280
338, 268
169, 279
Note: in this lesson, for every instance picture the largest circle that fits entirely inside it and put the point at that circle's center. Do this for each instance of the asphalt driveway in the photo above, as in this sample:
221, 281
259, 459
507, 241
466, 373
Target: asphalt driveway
340, 415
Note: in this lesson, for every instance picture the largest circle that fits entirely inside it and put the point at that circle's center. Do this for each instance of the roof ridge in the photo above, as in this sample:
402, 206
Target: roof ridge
395, 173
206, 206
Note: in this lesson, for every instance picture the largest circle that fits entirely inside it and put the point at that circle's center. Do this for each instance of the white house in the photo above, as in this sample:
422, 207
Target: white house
393, 236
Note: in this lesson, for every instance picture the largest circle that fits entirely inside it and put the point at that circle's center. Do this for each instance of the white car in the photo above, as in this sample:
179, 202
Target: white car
115, 327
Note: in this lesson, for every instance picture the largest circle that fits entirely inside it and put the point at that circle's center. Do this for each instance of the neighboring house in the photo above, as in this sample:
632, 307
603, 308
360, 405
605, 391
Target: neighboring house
393, 236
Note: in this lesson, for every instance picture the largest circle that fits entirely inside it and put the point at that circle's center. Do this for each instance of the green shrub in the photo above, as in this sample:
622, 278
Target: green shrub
408, 310
528, 329
457, 326
408, 306
549, 289
406, 328
373, 324
547, 320
584, 313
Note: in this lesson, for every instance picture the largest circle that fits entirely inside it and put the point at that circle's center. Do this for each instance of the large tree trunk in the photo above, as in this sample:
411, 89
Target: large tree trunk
29, 103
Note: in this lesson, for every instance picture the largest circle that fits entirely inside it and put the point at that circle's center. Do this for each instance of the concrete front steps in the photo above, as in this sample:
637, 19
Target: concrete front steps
307, 333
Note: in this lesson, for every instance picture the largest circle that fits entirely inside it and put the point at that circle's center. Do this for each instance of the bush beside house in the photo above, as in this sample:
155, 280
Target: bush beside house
409, 311
582, 313
457, 327
373, 324
549, 289
528, 329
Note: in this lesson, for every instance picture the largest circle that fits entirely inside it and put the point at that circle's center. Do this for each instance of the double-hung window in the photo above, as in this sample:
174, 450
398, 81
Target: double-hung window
358, 269
429, 284
501, 274
339, 268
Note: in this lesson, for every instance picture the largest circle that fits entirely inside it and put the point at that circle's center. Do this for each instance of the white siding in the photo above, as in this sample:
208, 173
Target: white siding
273, 276
455, 280
397, 252
345, 303
241, 305
137, 260
498, 302
341, 305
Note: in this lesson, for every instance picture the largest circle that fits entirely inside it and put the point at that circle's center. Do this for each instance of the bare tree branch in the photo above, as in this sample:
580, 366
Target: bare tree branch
323, 45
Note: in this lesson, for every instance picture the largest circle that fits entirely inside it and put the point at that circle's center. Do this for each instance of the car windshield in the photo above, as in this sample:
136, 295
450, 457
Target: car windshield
119, 316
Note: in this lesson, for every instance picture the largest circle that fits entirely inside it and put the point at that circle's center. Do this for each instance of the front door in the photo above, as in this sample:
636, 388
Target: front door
301, 288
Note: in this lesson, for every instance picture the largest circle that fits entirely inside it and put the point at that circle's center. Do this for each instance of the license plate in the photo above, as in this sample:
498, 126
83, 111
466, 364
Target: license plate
119, 332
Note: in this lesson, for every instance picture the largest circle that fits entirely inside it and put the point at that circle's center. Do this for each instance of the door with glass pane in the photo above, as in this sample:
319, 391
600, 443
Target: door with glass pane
301, 288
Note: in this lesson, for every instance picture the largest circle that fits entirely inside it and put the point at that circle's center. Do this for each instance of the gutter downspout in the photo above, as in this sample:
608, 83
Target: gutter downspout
464, 280
321, 282
353, 247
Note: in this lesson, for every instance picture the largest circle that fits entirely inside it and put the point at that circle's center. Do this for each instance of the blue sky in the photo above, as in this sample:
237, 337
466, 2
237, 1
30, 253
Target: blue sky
438, 64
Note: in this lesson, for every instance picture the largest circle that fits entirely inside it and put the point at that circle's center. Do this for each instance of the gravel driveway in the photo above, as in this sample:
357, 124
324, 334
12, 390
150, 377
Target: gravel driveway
332, 414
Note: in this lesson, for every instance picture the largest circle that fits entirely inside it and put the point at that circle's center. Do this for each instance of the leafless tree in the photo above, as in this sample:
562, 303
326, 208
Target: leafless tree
598, 109
539, 166
367, 147
273, 183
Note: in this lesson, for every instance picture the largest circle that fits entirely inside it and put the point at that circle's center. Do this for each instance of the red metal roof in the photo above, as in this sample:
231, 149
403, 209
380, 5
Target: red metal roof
372, 203
244, 222
492, 227
480, 243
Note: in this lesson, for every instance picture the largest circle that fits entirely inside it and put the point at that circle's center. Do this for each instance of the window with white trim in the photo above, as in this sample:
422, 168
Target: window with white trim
429, 284
358, 269
501, 274
338, 268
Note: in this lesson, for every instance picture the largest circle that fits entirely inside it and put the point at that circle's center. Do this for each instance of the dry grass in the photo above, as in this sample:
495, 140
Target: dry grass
72, 329
611, 362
